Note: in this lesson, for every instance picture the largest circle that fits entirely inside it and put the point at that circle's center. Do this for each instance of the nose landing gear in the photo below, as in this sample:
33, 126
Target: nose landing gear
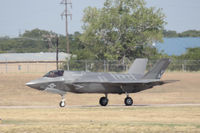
62, 102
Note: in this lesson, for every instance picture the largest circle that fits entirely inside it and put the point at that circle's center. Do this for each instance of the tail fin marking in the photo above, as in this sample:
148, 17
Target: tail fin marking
158, 69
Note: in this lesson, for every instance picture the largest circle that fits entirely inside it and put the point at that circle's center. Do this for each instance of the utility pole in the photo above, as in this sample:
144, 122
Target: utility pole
66, 13
57, 51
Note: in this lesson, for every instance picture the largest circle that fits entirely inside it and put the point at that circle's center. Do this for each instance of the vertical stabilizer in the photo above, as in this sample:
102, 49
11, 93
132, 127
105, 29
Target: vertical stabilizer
138, 67
158, 69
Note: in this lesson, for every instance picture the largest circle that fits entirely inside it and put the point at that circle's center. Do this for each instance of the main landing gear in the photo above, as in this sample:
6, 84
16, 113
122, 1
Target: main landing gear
128, 101
62, 102
103, 100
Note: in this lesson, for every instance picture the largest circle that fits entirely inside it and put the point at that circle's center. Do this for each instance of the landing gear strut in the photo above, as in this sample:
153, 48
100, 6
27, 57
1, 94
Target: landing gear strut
62, 102
103, 101
128, 100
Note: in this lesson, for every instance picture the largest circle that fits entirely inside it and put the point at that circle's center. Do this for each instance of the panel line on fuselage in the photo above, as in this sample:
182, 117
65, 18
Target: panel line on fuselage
101, 78
132, 76
113, 76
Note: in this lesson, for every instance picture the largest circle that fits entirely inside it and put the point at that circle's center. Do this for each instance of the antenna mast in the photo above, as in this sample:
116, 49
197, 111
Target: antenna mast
66, 13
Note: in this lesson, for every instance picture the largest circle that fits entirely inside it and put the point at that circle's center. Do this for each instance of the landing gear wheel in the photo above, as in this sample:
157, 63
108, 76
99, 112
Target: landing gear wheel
128, 101
62, 104
103, 101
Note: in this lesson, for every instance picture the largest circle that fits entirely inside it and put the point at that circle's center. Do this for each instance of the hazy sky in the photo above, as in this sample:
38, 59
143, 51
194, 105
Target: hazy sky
20, 15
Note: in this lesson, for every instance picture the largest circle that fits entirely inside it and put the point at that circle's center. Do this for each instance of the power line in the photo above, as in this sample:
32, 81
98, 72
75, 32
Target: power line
66, 13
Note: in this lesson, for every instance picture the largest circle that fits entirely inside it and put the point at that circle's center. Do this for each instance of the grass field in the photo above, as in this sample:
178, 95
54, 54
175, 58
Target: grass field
106, 120
101, 119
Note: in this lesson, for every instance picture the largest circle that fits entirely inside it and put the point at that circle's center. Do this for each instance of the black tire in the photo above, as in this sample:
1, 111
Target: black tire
128, 101
103, 101
62, 104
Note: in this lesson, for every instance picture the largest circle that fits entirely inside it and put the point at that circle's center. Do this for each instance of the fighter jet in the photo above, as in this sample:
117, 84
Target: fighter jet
135, 80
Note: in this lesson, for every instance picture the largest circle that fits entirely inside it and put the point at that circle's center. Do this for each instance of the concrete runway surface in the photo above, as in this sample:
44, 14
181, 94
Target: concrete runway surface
98, 106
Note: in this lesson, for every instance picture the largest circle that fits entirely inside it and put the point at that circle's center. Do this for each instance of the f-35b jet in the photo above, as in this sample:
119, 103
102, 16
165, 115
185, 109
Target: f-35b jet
135, 80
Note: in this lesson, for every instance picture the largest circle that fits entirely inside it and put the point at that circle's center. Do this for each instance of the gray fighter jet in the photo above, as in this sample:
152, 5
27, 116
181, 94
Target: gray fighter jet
135, 80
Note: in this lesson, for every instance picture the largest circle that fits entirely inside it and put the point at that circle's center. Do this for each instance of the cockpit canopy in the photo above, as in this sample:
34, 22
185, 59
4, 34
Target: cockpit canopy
54, 73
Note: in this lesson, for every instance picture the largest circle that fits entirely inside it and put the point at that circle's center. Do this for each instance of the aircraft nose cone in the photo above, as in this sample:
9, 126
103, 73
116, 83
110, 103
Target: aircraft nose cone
30, 84
33, 84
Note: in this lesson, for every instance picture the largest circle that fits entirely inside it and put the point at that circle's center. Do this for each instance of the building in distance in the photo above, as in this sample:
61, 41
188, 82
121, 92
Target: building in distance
30, 62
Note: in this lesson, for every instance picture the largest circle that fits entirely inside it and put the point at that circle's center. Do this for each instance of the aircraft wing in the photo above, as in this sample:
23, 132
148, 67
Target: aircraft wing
115, 86
146, 81
142, 81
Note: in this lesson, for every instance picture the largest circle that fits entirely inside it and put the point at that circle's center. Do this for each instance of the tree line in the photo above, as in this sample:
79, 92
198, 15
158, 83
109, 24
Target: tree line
36, 41
188, 33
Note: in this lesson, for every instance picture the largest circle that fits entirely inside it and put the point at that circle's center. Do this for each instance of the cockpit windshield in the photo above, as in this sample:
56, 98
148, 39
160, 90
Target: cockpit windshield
55, 73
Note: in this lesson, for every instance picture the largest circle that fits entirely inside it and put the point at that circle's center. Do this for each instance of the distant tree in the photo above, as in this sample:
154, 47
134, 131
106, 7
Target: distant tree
36, 40
170, 33
190, 33
192, 54
37, 33
122, 28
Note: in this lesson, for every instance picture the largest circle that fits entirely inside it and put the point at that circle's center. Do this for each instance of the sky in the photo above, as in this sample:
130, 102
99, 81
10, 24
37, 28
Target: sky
16, 16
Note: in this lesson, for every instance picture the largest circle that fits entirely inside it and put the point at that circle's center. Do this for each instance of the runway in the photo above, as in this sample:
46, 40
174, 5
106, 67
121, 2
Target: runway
98, 106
